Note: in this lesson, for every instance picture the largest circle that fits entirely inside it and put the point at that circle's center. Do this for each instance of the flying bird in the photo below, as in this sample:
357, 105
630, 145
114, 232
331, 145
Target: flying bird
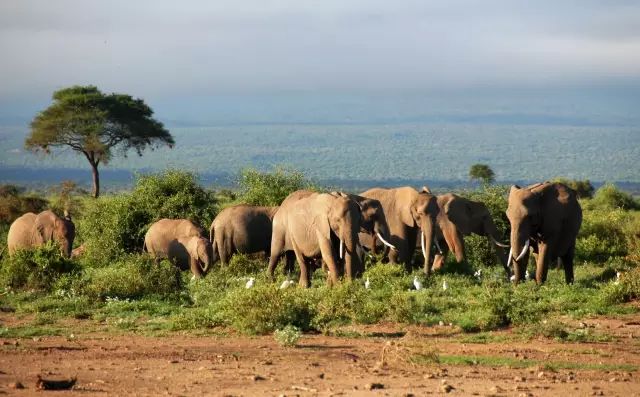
417, 284
250, 283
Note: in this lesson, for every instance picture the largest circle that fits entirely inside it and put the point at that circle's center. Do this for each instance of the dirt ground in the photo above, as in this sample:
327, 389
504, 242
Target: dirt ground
378, 364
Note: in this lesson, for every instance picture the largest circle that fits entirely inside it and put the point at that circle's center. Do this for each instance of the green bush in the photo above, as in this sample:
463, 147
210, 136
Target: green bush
602, 235
270, 188
287, 336
265, 308
38, 268
583, 188
114, 225
609, 196
13, 203
131, 277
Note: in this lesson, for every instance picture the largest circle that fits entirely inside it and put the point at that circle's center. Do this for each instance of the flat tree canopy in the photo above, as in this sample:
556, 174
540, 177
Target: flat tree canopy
95, 124
482, 172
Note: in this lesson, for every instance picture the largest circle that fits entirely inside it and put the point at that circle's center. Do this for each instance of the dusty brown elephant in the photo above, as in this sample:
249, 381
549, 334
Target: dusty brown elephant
547, 216
315, 225
408, 212
32, 230
241, 229
459, 217
182, 242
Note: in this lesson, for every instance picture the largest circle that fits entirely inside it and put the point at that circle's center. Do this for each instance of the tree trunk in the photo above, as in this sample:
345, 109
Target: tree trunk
96, 179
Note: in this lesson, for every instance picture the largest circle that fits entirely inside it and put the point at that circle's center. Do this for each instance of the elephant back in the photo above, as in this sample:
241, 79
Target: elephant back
21, 233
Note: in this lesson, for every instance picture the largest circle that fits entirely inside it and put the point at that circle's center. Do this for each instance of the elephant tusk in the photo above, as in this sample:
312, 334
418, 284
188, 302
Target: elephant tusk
385, 242
499, 244
510, 256
341, 248
435, 240
422, 245
524, 250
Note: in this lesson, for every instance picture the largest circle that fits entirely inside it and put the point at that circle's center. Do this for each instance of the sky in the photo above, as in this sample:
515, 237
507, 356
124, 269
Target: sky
177, 54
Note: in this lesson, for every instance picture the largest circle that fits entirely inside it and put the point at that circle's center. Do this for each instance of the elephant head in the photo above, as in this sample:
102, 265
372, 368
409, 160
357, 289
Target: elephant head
373, 220
201, 252
525, 213
49, 226
423, 213
460, 217
344, 219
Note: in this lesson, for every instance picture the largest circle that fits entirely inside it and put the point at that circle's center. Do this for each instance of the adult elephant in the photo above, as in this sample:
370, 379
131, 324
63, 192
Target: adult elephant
182, 242
407, 212
546, 216
241, 229
316, 225
33, 230
459, 217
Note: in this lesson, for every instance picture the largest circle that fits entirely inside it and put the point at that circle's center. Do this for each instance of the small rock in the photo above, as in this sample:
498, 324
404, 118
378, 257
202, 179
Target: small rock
321, 376
541, 375
614, 379
173, 361
429, 376
571, 377
518, 379
446, 388
16, 385
496, 389
256, 378
525, 395
373, 386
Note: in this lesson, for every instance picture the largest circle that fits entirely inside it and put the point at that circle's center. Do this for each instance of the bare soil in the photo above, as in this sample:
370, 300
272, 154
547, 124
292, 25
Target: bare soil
378, 363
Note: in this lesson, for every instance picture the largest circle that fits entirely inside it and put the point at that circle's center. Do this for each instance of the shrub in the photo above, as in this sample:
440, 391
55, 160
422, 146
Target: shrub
13, 203
479, 251
346, 303
602, 235
584, 188
265, 308
115, 225
287, 336
609, 196
38, 268
270, 188
131, 277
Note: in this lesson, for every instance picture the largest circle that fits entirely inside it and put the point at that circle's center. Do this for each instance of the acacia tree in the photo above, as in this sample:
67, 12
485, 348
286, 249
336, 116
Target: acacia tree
96, 124
482, 172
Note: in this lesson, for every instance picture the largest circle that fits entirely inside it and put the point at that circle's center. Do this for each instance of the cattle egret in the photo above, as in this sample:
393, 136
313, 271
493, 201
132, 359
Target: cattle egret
250, 283
286, 284
417, 283
512, 278
618, 274
527, 275
445, 286
478, 274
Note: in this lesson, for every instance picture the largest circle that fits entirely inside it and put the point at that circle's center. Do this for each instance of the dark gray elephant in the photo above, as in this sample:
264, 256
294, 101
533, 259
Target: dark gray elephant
409, 214
241, 229
459, 217
33, 230
546, 216
181, 241
317, 225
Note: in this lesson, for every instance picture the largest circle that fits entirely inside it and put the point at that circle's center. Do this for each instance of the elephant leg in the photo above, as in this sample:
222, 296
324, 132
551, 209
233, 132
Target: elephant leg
327, 256
567, 263
374, 240
277, 246
195, 268
542, 265
520, 268
304, 270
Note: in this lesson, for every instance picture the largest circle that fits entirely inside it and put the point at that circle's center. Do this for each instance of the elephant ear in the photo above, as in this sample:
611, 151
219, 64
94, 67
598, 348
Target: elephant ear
459, 212
409, 214
44, 228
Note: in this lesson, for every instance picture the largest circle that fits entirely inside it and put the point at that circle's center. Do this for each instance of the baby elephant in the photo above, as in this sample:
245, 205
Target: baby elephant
182, 242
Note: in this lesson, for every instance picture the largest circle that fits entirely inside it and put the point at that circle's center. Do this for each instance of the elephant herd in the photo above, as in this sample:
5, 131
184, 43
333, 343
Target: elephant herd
336, 229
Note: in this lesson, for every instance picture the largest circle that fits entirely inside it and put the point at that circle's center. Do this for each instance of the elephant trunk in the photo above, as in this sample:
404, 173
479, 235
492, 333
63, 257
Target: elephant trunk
66, 248
352, 260
426, 240
518, 251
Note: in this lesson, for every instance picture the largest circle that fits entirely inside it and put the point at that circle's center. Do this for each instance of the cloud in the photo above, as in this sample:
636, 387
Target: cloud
201, 47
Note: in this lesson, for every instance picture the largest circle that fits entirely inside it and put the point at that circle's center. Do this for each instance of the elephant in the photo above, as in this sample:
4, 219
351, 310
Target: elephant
546, 216
315, 225
241, 229
182, 242
460, 217
407, 211
33, 230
